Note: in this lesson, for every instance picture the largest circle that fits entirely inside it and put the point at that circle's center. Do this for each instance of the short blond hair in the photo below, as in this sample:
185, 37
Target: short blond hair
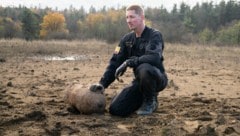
137, 8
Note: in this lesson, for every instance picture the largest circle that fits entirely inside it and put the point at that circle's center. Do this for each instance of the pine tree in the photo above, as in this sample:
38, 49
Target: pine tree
30, 25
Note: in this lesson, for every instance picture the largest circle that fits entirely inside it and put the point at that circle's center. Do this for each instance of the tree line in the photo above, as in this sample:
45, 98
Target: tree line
203, 23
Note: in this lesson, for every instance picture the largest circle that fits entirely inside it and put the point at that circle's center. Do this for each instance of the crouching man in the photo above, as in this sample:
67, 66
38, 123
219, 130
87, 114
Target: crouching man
142, 51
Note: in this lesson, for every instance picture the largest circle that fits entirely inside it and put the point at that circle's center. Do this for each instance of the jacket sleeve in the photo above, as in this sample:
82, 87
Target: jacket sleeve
116, 60
153, 50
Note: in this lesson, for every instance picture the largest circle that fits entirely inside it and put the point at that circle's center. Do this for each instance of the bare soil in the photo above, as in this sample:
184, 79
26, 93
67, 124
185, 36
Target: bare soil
202, 97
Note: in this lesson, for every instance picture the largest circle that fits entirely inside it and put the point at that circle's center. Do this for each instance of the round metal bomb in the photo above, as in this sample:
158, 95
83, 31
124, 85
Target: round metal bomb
86, 100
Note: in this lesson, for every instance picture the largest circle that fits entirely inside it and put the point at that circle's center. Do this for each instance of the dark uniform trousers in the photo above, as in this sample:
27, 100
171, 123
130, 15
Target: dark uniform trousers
148, 82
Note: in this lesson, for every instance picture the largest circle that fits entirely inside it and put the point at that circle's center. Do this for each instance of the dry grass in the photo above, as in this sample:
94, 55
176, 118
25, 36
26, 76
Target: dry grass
17, 47
196, 52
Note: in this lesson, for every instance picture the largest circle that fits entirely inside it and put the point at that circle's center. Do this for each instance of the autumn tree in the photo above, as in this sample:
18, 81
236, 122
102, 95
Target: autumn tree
9, 28
102, 25
116, 25
53, 26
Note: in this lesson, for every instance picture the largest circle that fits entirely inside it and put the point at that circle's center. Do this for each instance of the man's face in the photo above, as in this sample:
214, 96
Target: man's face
133, 20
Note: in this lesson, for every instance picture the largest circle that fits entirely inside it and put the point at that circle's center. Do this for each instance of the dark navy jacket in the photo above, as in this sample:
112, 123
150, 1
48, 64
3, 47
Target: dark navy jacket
148, 48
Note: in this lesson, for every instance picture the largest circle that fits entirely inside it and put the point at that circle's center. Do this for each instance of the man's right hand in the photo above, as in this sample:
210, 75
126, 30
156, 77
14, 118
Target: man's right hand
120, 70
97, 88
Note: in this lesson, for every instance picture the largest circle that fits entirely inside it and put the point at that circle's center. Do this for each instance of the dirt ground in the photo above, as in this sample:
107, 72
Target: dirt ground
202, 97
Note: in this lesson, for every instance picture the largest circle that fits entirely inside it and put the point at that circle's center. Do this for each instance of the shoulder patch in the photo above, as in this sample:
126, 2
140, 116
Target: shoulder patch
117, 49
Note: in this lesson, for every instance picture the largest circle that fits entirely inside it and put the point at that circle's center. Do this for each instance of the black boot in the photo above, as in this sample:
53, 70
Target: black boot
150, 104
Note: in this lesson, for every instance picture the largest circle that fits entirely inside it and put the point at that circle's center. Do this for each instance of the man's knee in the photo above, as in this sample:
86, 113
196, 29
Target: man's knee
144, 71
162, 82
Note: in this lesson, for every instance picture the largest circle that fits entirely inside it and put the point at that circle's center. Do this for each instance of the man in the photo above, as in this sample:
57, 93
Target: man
140, 50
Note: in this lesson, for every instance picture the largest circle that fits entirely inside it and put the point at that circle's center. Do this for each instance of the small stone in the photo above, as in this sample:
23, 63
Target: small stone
75, 68
10, 84
2, 60
220, 120
229, 130
205, 118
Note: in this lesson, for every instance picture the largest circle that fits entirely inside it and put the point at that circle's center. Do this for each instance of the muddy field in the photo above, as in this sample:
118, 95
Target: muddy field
202, 97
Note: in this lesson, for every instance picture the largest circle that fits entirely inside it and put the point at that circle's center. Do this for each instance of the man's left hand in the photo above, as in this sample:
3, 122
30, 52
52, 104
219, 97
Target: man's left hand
132, 62
120, 70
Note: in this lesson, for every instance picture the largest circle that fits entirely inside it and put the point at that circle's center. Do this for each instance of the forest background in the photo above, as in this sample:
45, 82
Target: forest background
204, 23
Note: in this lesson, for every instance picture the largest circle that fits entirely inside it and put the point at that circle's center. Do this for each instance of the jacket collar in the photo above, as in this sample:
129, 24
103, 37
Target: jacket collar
145, 33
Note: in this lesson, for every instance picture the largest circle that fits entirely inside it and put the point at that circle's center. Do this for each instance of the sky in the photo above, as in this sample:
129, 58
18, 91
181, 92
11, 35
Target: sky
63, 4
